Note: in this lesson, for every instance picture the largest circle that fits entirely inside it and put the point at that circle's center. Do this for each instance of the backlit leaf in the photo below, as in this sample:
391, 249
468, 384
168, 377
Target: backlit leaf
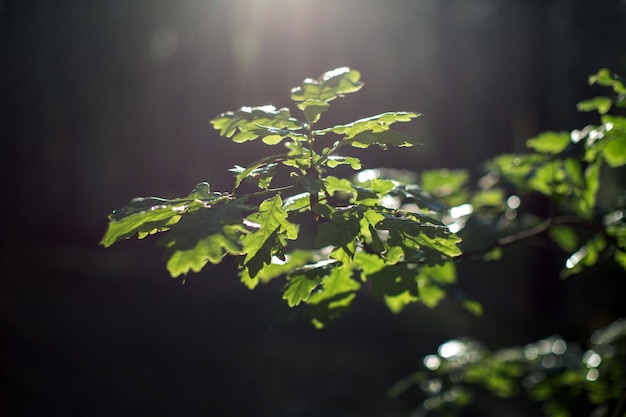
565, 237
420, 241
517, 167
313, 108
297, 202
614, 151
276, 268
268, 239
209, 248
375, 124
335, 185
144, 216
493, 197
205, 235
300, 288
342, 230
248, 171
334, 161
446, 185
414, 194
585, 201
382, 139
258, 173
396, 284
253, 122
601, 104
432, 282
549, 142
605, 78
330, 85
337, 291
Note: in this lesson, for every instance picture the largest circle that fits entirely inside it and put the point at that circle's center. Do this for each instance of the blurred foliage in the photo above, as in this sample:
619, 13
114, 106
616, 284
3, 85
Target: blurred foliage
551, 371
568, 170
402, 233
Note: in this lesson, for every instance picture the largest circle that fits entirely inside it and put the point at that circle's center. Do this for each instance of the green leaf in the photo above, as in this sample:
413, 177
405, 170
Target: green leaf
297, 202
420, 241
587, 255
312, 109
273, 135
493, 197
382, 139
254, 122
368, 263
473, 307
260, 174
341, 186
341, 231
375, 124
379, 186
330, 85
335, 296
565, 237
396, 284
446, 185
601, 104
547, 177
209, 248
144, 216
414, 194
292, 261
443, 182
614, 150
268, 240
302, 281
334, 161
432, 282
202, 236
366, 196
605, 78
585, 200
159, 218
549, 142
517, 167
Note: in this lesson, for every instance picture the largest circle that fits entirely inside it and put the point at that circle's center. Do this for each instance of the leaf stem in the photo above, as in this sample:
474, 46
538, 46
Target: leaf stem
270, 190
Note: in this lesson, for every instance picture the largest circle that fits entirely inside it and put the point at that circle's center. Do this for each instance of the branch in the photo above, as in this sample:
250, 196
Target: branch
534, 231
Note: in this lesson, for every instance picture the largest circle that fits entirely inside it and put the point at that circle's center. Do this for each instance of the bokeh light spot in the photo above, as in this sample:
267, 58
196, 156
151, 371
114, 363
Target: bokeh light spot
451, 348
432, 362
164, 43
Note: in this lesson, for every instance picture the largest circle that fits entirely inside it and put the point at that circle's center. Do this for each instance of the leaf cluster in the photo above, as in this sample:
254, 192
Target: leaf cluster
400, 234
363, 229
397, 230
569, 168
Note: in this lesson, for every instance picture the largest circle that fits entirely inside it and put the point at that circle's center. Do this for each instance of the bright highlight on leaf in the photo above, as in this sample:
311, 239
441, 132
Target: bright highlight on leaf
329, 86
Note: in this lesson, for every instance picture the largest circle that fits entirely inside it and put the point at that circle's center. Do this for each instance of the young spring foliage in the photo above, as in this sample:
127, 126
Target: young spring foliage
403, 234
382, 230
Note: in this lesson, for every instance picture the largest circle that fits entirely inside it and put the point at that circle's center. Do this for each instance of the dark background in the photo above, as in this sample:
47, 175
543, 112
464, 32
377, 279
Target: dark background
102, 101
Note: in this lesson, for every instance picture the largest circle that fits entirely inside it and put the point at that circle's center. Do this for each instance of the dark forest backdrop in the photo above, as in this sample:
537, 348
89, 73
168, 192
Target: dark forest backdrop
101, 101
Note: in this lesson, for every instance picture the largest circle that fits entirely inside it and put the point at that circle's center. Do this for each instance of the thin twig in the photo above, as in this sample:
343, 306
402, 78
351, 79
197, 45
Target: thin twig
534, 231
